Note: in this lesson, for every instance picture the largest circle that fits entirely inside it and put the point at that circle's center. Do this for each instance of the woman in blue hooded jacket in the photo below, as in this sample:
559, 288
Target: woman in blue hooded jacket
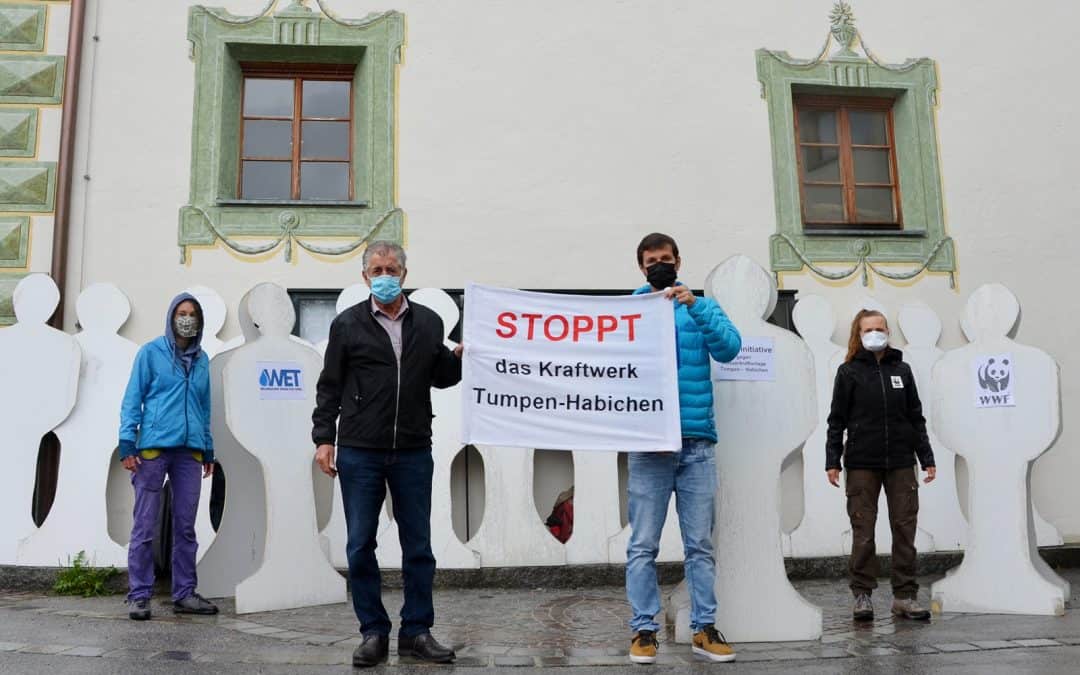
165, 431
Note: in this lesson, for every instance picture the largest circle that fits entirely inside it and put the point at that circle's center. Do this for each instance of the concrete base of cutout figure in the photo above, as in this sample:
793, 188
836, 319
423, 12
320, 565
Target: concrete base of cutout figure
997, 404
755, 600
78, 519
40, 364
270, 418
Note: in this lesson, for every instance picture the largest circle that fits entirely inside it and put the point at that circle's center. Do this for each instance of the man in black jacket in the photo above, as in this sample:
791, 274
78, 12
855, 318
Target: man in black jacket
373, 401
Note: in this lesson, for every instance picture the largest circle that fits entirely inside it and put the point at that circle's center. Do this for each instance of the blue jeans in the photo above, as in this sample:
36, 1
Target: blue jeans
691, 475
365, 475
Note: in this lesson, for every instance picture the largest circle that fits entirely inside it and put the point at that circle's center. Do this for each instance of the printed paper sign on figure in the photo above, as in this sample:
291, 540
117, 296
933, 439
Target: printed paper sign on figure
570, 372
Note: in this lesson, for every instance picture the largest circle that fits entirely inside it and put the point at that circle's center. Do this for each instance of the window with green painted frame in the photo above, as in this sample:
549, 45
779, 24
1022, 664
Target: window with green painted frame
859, 189
322, 168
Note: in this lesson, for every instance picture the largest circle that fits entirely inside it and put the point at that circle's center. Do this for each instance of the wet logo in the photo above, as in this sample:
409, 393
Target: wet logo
994, 381
280, 380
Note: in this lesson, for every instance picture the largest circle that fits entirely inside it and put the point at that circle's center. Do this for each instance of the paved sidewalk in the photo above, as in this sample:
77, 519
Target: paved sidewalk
509, 628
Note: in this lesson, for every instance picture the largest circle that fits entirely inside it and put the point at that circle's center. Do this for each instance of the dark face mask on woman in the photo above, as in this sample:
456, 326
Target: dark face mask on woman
661, 275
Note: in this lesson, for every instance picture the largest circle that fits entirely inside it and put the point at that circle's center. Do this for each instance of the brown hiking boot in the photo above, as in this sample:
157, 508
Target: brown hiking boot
643, 647
710, 643
864, 609
909, 609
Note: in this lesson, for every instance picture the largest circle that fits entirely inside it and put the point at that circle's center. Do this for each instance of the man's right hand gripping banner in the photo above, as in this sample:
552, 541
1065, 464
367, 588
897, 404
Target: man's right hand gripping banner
570, 372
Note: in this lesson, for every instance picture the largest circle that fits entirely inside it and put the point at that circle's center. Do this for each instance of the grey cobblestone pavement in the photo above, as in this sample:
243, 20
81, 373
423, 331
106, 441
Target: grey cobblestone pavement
508, 628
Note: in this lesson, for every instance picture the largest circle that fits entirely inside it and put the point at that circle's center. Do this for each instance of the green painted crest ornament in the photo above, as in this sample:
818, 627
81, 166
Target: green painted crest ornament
843, 30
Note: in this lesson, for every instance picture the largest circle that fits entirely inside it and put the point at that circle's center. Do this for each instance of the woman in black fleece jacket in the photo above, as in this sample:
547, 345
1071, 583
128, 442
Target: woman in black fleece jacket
876, 402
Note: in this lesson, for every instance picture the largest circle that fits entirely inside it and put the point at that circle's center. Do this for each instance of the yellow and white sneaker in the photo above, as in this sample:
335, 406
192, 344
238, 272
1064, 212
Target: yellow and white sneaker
643, 647
710, 643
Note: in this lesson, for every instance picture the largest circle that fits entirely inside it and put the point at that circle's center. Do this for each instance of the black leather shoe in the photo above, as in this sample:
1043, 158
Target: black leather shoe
425, 648
375, 649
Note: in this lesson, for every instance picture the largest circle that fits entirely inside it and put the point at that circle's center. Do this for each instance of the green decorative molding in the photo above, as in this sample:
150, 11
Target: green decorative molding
18, 132
923, 243
22, 27
14, 241
8, 282
27, 186
31, 79
296, 34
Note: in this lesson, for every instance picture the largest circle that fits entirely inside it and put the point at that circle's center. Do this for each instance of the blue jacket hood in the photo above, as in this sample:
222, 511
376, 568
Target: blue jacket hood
192, 350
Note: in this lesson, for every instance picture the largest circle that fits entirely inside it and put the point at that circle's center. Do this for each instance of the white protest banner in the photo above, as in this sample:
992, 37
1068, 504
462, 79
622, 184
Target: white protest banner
569, 372
994, 381
755, 362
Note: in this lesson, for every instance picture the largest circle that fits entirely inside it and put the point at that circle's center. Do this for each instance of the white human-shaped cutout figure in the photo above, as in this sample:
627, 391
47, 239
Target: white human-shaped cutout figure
1045, 533
757, 603
78, 519
1002, 572
295, 571
445, 442
38, 364
214, 312
939, 507
238, 552
882, 529
824, 517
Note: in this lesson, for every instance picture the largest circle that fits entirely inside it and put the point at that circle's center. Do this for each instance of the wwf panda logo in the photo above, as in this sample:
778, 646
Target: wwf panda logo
994, 375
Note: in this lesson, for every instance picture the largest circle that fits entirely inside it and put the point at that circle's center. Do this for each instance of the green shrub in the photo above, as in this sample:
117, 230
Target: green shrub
78, 577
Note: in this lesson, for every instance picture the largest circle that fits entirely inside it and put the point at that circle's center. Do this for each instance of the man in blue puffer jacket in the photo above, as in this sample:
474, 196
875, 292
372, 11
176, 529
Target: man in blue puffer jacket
702, 330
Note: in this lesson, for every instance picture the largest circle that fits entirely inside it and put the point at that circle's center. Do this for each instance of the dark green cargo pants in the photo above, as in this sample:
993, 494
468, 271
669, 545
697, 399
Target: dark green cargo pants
902, 496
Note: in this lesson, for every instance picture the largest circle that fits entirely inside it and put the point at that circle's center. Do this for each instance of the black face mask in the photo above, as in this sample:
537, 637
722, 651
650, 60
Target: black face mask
661, 275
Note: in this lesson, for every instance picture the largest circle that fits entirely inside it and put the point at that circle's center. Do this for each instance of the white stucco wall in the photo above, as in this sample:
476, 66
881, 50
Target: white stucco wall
538, 141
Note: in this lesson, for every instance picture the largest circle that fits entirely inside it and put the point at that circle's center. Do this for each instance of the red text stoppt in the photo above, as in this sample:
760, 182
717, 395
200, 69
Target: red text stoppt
559, 327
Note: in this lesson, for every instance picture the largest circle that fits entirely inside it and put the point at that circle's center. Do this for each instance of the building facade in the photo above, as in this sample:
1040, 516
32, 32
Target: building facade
920, 153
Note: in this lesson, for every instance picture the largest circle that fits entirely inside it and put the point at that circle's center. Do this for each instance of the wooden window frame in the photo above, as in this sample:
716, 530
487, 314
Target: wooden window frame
841, 105
298, 73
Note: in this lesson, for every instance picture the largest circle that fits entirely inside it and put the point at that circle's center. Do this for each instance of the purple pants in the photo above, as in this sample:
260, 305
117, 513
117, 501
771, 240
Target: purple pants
185, 474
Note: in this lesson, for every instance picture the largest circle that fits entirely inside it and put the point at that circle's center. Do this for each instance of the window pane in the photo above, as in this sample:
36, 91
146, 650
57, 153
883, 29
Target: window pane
874, 205
326, 99
823, 204
263, 138
267, 180
268, 98
325, 140
821, 164
817, 126
868, 127
324, 180
871, 166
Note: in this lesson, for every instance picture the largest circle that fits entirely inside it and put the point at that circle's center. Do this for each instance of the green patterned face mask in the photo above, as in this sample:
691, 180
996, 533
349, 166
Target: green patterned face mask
186, 326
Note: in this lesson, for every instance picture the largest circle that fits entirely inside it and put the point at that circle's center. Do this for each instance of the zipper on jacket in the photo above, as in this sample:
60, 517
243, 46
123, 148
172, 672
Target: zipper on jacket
885, 401
397, 396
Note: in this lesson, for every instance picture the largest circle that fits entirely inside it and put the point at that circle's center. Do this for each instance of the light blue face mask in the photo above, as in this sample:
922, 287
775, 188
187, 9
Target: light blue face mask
386, 288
